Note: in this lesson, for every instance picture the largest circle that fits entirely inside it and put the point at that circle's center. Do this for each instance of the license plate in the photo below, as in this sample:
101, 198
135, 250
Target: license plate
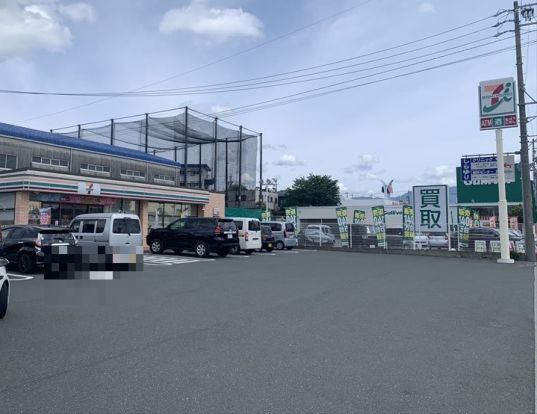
230, 236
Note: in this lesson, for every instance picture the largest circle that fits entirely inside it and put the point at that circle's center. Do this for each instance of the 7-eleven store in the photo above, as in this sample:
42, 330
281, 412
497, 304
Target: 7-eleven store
25, 194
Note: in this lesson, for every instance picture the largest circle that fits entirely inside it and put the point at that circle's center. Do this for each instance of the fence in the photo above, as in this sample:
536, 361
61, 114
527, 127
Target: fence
214, 154
326, 233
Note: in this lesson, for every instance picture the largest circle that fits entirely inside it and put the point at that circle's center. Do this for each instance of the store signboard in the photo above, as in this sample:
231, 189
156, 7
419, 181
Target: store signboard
89, 188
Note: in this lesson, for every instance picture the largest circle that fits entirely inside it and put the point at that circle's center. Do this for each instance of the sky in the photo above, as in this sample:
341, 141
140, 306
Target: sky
412, 129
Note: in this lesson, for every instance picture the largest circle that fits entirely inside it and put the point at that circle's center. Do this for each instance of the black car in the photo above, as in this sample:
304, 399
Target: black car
486, 234
22, 245
267, 239
202, 235
363, 236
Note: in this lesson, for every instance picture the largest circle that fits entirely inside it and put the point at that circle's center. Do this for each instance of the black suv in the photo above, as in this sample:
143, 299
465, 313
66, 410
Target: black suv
22, 245
202, 235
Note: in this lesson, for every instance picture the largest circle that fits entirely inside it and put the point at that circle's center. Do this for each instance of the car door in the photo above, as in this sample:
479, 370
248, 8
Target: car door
13, 243
87, 232
6, 242
174, 237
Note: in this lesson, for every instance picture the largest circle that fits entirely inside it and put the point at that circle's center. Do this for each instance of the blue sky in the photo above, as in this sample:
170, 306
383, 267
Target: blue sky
412, 129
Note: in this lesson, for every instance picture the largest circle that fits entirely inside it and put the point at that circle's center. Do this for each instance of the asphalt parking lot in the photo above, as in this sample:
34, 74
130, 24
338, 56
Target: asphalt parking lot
298, 331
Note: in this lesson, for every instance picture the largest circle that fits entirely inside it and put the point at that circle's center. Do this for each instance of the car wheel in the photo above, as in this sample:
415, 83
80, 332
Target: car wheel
280, 245
201, 249
156, 246
269, 249
223, 252
25, 263
234, 250
4, 293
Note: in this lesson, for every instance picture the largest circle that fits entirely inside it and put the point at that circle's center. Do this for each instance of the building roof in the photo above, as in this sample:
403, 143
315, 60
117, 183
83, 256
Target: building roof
81, 144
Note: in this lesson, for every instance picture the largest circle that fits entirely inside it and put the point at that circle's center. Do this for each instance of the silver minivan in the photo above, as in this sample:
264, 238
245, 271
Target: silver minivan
284, 234
107, 229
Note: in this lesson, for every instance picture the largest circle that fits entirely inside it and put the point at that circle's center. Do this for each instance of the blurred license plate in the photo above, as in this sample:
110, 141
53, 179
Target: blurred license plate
230, 236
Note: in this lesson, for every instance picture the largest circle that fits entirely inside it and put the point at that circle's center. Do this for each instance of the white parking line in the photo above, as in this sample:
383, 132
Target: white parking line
171, 260
16, 278
234, 256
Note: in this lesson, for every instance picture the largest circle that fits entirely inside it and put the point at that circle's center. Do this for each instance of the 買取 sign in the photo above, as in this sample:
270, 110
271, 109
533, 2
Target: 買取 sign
379, 221
497, 104
484, 170
358, 217
291, 215
341, 215
430, 208
408, 223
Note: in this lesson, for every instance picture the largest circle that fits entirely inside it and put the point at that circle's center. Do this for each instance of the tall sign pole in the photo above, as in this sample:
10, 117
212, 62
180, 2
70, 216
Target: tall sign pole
524, 158
497, 110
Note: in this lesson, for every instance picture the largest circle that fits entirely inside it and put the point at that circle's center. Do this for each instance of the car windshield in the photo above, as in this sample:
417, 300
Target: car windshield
57, 237
227, 225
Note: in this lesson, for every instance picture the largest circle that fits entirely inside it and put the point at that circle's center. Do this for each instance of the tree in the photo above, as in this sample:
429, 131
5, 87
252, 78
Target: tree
314, 190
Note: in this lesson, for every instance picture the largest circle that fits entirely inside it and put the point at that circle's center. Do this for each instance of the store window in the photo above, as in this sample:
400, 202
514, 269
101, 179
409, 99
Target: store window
162, 214
33, 212
50, 161
124, 206
94, 168
8, 161
7, 208
138, 175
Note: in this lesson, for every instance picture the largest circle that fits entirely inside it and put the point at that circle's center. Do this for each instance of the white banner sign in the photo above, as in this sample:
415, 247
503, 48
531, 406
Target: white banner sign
484, 170
430, 208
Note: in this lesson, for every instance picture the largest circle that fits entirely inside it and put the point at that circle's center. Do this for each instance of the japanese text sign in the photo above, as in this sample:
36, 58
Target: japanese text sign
430, 208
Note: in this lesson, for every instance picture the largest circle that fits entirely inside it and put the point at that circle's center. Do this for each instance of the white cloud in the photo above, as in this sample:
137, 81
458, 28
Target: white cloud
274, 147
442, 174
342, 187
216, 109
288, 160
365, 162
27, 26
426, 7
78, 12
216, 24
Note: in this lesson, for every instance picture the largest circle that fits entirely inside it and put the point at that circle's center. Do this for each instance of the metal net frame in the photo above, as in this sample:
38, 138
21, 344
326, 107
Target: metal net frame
228, 153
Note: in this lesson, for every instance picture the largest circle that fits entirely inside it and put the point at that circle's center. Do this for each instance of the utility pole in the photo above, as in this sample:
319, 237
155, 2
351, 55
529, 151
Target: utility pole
524, 157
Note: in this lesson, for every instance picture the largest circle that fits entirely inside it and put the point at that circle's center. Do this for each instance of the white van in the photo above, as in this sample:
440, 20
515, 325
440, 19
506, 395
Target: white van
249, 235
107, 229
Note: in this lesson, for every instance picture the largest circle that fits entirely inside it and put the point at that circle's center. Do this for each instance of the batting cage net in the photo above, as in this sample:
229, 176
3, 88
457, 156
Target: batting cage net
219, 155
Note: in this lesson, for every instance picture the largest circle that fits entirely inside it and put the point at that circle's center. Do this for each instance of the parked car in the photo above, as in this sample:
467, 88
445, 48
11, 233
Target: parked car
249, 235
486, 234
267, 239
107, 229
22, 244
316, 236
363, 236
516, 233
4, 287
438, 240
284, 234
202, 235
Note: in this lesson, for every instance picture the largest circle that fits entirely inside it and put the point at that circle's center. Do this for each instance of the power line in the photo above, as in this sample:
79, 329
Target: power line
268, 84
281, 100
258, 85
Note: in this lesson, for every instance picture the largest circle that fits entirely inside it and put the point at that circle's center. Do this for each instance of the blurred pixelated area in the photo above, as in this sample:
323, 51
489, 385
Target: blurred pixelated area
91, 262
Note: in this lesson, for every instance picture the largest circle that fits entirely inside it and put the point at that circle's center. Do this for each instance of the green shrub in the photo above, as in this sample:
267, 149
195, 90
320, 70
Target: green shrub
515, 255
